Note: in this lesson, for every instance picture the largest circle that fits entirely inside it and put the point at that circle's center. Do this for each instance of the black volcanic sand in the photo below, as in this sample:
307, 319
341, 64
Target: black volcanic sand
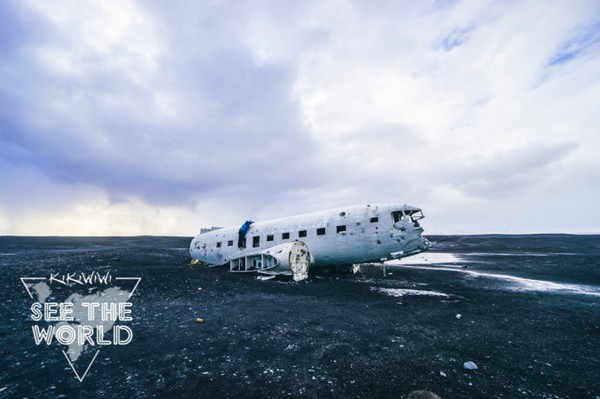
334, 335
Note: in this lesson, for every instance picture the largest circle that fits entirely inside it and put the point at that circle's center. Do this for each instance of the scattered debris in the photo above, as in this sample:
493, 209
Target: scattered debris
458, 316
443, 374
470, 366
199, 320
194, 262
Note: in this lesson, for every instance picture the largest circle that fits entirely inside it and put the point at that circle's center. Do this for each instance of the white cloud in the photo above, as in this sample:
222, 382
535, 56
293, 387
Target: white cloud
278, 108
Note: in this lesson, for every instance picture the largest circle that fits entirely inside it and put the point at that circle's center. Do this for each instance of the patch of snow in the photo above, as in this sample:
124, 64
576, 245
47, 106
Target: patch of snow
521, 254
522, 284
399, 292
427, 258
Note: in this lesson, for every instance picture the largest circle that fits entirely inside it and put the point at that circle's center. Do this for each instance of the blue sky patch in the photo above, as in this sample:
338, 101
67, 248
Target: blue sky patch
456, 38
574, 47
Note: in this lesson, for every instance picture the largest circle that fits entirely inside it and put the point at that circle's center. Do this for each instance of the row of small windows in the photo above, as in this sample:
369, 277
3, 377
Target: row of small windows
302, 233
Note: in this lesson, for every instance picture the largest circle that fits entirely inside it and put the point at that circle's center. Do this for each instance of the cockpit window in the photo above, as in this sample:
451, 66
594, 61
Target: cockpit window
397, 216
414, 215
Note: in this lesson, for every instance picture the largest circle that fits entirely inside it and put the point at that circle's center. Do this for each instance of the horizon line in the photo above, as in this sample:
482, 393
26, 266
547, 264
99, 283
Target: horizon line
192, 236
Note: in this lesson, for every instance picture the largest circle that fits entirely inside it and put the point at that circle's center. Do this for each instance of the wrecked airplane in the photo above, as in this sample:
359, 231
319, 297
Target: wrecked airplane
292, 245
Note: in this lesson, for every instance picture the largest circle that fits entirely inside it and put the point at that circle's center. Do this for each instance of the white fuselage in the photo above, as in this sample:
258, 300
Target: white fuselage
357, 234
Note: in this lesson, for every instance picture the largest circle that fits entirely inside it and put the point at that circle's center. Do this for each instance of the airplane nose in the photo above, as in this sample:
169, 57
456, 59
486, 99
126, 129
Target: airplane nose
409, 233
408, 226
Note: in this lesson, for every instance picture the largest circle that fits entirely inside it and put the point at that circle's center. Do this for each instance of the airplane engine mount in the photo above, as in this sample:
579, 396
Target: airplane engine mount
292, 258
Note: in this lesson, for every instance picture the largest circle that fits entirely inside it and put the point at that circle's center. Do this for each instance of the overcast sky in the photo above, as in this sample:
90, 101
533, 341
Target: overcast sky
140, 117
